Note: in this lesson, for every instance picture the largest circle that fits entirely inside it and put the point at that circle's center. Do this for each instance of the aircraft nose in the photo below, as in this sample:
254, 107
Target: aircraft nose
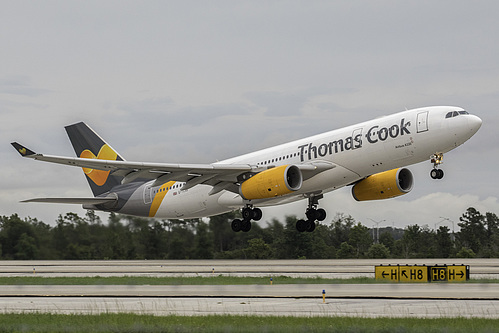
474, 123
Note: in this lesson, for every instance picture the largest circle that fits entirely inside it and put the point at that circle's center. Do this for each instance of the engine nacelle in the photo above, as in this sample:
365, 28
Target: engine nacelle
384, 185
272, 183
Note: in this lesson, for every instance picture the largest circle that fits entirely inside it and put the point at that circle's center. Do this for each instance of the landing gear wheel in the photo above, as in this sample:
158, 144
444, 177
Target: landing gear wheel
247, 213
311, 214
310, 226
257, 214
301, 225
246, 226
437, 174
236, 225
321, 214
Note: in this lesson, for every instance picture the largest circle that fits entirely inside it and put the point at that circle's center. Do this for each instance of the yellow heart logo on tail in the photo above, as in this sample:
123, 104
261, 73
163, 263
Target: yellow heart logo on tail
22, 151
99, 177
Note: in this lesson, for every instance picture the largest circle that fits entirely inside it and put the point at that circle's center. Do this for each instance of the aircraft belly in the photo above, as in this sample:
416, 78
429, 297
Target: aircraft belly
329, 179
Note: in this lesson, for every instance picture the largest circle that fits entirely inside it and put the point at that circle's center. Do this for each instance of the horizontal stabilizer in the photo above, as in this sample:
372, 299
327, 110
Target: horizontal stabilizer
78, 201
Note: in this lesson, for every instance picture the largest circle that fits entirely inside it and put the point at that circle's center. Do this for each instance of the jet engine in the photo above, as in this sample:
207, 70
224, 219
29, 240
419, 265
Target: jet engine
272, 183
384, 185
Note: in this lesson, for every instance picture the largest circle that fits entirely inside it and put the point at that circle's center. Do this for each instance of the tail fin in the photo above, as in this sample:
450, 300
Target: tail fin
88, 144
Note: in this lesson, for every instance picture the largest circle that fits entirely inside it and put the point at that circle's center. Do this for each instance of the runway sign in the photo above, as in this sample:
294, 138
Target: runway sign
402, 273
415, 273
438, 273
458, 273
454, 273
387, 273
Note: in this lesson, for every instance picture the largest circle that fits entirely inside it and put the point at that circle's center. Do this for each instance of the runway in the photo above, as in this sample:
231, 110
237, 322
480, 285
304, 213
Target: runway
366, 308
347, 268
422, 300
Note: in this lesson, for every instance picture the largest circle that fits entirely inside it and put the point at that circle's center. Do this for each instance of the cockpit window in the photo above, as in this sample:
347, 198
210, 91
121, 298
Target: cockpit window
455, 114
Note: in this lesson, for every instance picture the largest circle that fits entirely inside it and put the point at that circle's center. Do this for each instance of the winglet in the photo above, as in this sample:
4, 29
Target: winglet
23, 150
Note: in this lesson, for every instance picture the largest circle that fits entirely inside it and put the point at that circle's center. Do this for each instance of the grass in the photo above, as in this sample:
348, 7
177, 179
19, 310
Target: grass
127, 322
213, 280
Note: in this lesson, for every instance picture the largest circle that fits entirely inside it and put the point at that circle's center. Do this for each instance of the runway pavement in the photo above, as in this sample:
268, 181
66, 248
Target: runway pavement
387, 291
367, 308
427, 300
480, 268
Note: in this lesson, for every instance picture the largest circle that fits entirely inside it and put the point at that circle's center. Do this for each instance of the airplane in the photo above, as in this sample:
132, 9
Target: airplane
371, 157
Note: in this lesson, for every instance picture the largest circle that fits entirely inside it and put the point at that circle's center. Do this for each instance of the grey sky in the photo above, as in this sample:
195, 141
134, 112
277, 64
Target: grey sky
199, 81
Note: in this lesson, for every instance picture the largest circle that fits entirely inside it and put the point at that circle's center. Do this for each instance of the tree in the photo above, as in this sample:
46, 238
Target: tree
410, 241
180, 242
26, 248
360, 239
12, 230
203, 242
258, 249
473, 234
340, 229
466, 253
386, 238
492, 230
346, 251
222, 232
378, 251
443, 242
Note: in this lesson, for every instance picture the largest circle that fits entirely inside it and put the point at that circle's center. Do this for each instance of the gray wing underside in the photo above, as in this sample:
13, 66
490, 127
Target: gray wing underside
79, 201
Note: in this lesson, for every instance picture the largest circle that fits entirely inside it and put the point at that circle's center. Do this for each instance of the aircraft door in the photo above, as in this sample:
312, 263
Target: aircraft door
422, 122
147, 194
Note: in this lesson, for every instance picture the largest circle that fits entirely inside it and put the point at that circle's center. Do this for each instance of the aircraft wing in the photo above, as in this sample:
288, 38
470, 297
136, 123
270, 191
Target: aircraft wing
222, 176
79, 201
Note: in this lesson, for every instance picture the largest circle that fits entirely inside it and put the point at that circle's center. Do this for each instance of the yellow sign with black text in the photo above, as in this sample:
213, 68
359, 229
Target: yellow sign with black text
458, 273
415, 273
387, 273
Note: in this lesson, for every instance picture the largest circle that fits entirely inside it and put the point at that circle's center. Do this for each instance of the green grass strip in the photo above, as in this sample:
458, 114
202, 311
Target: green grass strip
225, 323
213, 280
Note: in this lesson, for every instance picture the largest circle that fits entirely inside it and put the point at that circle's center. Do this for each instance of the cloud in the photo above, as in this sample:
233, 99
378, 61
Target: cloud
199, 82
20, 85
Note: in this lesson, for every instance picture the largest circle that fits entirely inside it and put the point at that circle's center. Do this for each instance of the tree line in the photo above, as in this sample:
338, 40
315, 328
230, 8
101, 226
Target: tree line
125, 237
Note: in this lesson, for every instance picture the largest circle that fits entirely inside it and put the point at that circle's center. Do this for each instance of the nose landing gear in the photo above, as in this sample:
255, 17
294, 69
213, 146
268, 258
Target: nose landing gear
437, 159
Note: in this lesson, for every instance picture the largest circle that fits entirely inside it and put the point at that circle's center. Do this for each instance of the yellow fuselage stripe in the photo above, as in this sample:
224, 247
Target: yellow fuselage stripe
158, 198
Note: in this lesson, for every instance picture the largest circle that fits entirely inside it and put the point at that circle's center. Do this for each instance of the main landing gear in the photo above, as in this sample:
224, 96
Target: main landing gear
249, 213
437, 159
313, 214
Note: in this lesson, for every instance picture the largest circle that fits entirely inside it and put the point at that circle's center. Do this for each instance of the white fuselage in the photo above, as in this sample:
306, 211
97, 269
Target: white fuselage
353, 152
